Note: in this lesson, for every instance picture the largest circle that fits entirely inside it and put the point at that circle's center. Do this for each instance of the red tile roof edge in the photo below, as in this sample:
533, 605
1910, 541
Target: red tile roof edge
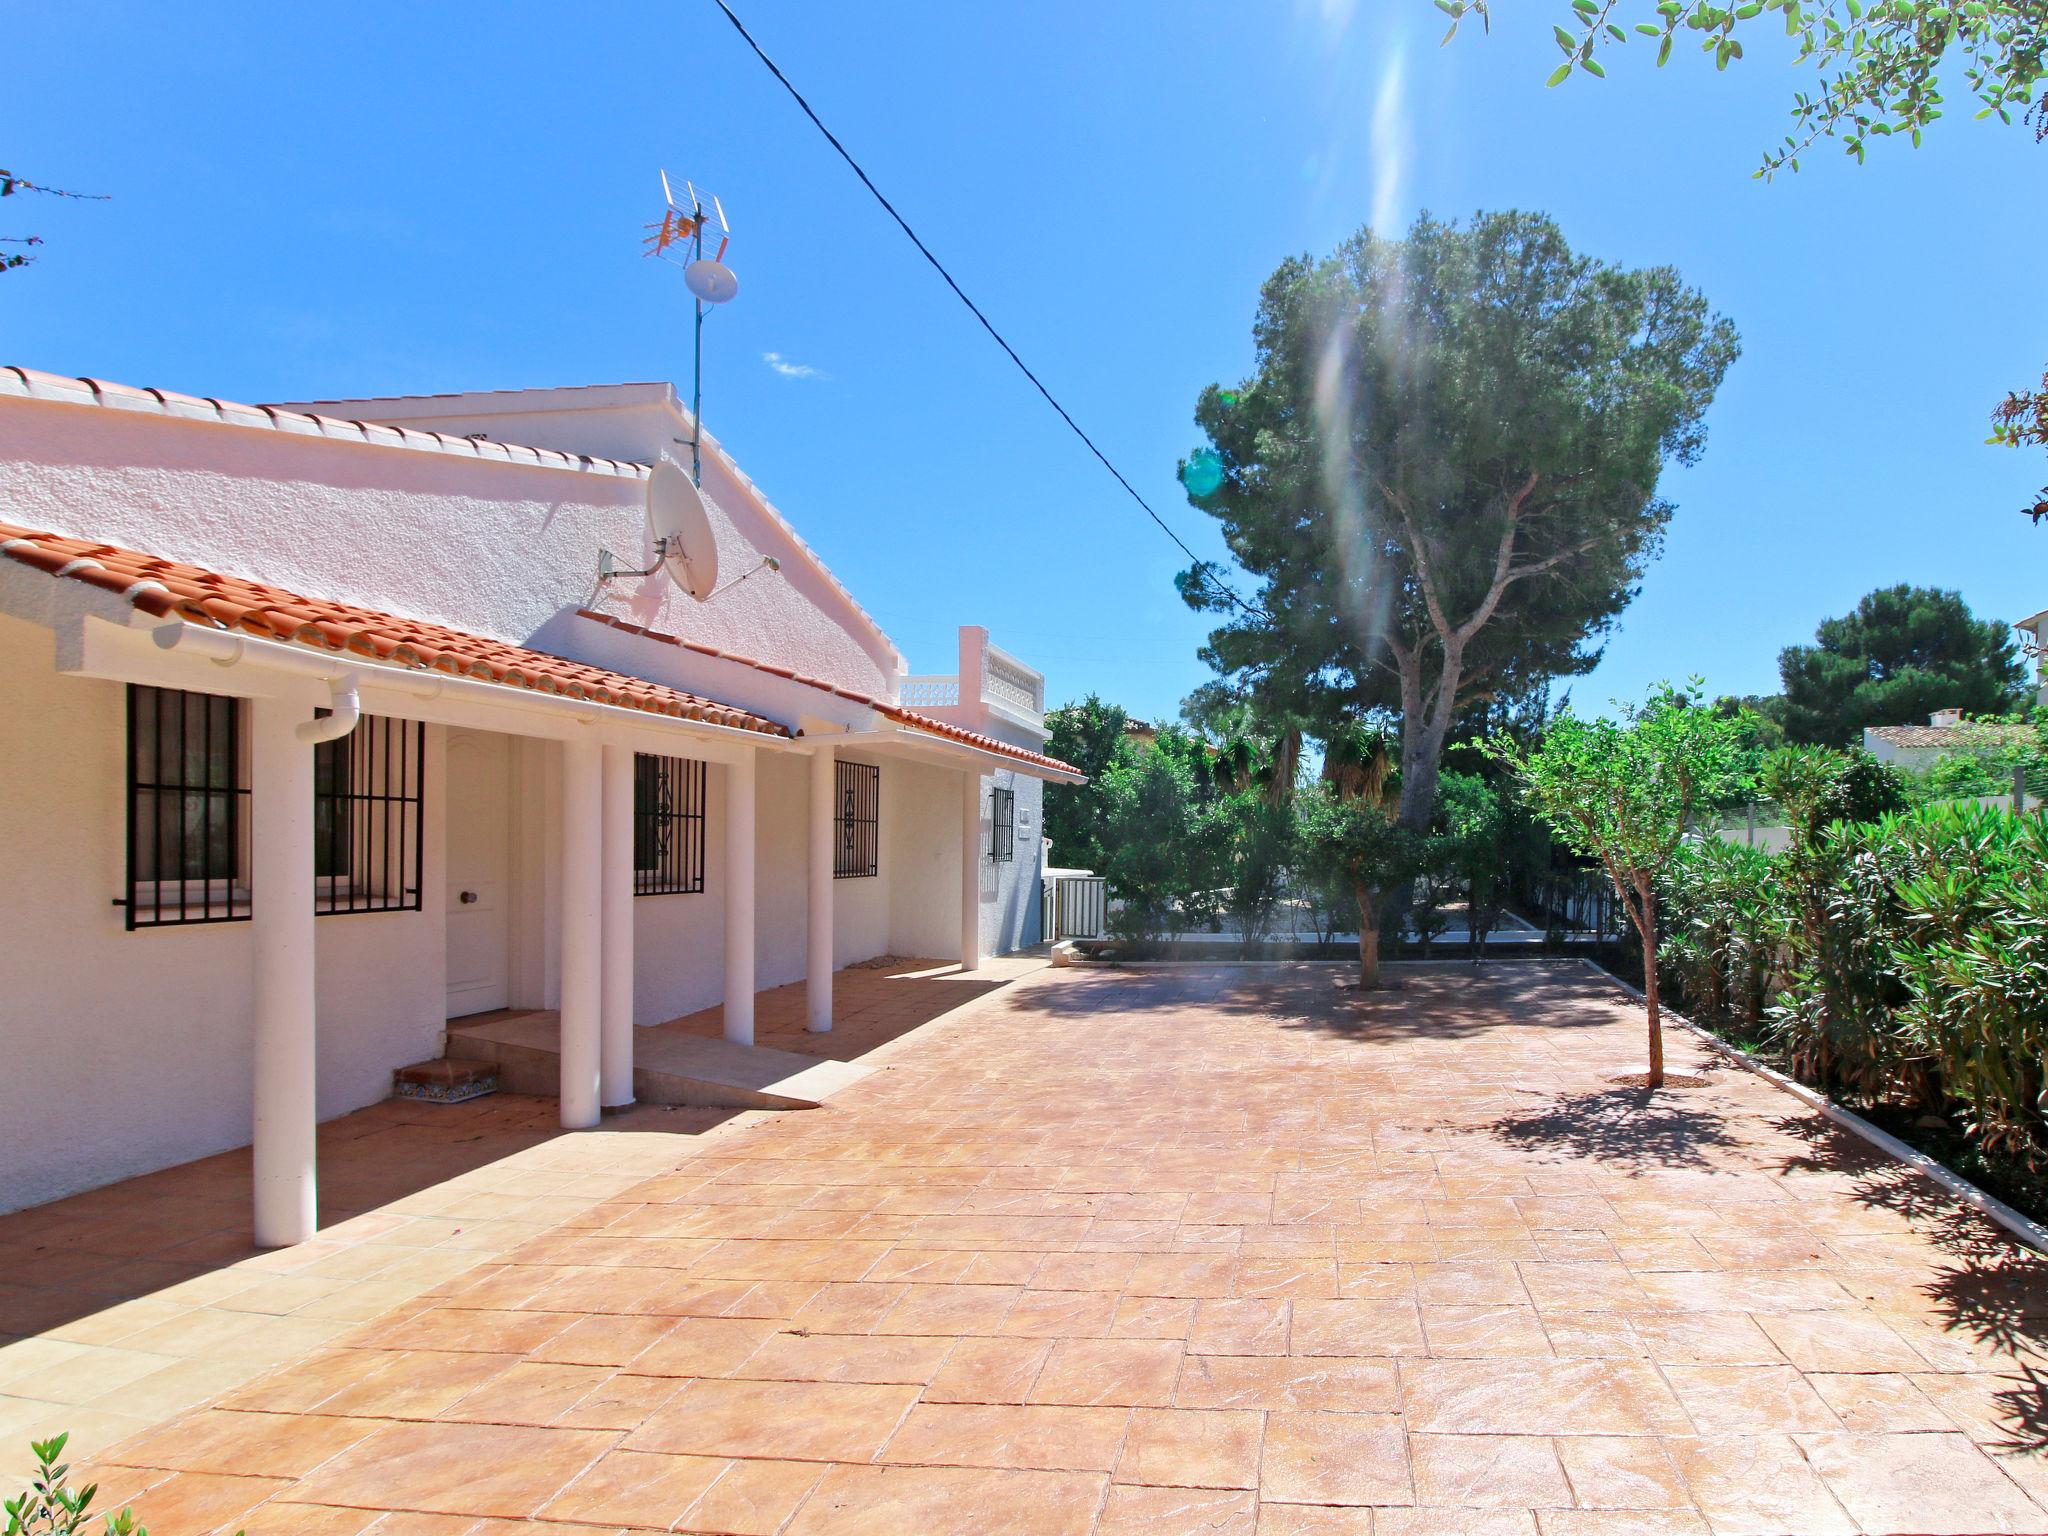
171, 588
881, 707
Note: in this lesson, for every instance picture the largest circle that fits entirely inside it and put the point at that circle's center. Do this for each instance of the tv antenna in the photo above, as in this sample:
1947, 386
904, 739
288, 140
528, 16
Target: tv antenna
683, 227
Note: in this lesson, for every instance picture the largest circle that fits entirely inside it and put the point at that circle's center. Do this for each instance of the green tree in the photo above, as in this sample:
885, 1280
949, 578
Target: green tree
1091, 736
1905, 652
1878, 66
1481, 840
1443, 472
1625, 791
1351, 839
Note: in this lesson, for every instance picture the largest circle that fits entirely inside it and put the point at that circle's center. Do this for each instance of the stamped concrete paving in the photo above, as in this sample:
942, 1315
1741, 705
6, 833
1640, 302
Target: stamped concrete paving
1219, 1250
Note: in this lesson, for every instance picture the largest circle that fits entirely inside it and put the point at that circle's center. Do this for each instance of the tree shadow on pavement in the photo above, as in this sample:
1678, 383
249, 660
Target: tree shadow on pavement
1624, 1129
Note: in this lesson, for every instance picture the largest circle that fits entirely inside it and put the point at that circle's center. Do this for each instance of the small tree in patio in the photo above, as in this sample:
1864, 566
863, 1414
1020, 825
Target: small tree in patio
1624, 791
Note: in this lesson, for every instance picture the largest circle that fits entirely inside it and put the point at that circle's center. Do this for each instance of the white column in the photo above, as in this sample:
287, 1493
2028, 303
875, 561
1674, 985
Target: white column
615, 1073
818, 940
582, 930
281, 897
970, 870
739, 898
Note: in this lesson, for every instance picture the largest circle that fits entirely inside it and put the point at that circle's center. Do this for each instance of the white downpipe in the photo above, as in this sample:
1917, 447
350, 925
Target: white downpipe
739, 899
285, 1139
615, 1073
344, 710
582, 930
970, 870
818, 940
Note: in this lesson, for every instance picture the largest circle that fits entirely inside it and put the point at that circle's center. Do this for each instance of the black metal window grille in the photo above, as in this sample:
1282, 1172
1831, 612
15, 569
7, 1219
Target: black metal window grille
368, 794
187, 808
857, 849
1002, 825
668, 826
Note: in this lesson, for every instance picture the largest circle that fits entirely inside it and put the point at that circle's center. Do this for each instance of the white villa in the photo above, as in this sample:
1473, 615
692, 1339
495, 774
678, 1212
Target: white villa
319, 727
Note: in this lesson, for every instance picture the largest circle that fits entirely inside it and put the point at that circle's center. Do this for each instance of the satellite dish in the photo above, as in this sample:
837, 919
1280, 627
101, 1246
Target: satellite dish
711, 281
682, 529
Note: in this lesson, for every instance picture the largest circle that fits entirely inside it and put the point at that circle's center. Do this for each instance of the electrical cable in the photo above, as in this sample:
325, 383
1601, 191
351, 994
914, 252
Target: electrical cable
1201, 566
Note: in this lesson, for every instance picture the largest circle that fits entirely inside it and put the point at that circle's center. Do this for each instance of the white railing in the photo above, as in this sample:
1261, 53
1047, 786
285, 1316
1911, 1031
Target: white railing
1007, 681
930, 692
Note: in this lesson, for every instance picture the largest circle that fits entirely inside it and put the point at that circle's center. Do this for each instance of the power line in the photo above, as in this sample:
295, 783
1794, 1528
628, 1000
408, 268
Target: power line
1201, 566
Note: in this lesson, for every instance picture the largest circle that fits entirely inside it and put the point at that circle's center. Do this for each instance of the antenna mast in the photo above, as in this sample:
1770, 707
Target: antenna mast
710, 281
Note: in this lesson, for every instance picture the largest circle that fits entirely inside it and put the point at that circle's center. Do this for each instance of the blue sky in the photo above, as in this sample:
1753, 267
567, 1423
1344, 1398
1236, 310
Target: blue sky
394, 199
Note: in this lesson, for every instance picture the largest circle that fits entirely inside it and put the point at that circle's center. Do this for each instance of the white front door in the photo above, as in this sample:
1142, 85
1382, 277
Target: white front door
479, 872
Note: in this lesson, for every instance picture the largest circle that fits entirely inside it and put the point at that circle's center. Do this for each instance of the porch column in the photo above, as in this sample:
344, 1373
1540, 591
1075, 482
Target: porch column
970, 870
281, 931
739, 898
818, 940
582, 927
615, 1072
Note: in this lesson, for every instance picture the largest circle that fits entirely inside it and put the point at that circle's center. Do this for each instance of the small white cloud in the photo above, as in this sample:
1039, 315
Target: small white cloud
789, 370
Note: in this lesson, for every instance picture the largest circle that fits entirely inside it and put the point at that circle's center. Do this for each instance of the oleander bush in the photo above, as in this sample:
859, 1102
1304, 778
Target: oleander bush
1893, 957
50, 1506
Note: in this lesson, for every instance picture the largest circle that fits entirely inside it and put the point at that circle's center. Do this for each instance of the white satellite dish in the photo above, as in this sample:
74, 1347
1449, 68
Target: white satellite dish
682, 529
712, 281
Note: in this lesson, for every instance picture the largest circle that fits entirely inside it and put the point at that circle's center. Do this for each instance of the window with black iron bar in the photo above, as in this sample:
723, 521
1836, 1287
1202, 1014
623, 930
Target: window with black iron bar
857, 848
668, 826
188, 796
368, 791
1002, 825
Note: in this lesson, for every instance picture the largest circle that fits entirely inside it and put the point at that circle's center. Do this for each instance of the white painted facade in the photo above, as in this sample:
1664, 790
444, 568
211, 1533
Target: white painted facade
127, 1051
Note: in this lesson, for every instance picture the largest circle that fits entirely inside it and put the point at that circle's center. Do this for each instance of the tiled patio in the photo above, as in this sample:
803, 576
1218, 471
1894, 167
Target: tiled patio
1219, 1250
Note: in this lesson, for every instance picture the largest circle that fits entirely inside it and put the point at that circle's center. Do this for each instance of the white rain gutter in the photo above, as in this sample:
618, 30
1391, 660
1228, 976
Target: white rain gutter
229, 648
345, 708
948, 746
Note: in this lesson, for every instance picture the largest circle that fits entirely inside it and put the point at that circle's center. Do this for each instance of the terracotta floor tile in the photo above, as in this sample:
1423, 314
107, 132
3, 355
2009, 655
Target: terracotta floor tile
1355, 1327
1442, 1521
622, 1401
1484, 1332
951, 1310
1324, 1384
1313, 1520
1060, 1315
752, 1498
1488, 1471
244, 1444
636, 1488
457, 1469
1757, 1485
1620, 1472
1043, 1438
1118, 1372
1704, 1338
1632, 1522
1192, 1448
1175, 1511
1536, 1397
193, 1501
1838, 1341
602, 1340
1000, 1370
789, 1420
1879, 1402
1335, 1458
528, 1393
703, 1346
788, 1356
1923, 1483
949, 1501
1152, 1317
1749, 1399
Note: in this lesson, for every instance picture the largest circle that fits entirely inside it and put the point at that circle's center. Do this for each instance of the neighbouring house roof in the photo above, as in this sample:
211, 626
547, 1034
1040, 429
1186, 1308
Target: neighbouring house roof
882, 707
2032, 622
1923, 737
173, 589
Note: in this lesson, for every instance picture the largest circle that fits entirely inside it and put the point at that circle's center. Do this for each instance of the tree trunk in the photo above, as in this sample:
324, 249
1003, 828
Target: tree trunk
1368, 939
1647, 896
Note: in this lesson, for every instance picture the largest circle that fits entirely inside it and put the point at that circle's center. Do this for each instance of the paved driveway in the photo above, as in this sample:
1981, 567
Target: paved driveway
1217, 1250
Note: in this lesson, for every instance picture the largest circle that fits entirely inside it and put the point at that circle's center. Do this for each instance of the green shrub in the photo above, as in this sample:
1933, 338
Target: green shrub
49, 1506
1721, 928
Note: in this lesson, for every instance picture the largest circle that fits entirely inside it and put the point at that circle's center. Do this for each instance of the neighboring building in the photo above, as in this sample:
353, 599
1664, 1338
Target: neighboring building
1913, 747
322, 713
2035, 628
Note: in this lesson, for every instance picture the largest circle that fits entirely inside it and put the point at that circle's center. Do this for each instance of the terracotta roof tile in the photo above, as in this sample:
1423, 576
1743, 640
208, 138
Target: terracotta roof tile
170, 588
1957, 738
881, 707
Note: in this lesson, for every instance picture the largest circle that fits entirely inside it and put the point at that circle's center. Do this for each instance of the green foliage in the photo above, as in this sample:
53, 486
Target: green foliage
1261, 830
1159, 866
1091, 735
1982, 762
1878, 64
49, 1506
1903, 654
1484, 839
1973, 958
1443, 473
1720, 928
1625, 790
1348, 841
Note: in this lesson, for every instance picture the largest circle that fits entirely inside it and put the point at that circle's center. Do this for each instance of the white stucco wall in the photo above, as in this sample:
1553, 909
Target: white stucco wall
503, 550
124, 1052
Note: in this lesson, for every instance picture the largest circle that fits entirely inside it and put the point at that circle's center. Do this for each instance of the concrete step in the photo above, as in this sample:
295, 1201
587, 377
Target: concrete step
670, 1066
